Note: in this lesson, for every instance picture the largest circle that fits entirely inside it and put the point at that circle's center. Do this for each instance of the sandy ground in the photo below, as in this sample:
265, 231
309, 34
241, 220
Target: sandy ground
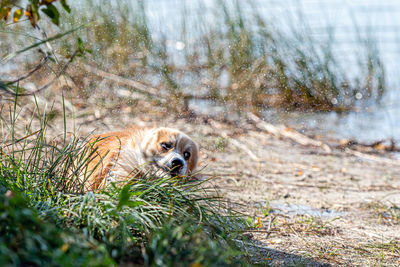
310, 207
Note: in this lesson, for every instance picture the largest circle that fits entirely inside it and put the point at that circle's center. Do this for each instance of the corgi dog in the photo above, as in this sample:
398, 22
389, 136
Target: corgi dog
123, 155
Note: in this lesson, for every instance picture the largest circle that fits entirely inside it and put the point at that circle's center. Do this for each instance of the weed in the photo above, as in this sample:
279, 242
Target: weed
386, 213
25, 239
180, 243
267, 209
314, 225
392, 246
221, 143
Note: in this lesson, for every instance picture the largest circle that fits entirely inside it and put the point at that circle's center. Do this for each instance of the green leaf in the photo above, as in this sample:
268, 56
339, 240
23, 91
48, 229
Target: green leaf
82, 49
53, 13
124, 196
65, 6
80, 45
133, 204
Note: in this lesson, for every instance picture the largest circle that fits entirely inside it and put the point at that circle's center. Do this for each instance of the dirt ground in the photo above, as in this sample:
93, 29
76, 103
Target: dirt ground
310, 207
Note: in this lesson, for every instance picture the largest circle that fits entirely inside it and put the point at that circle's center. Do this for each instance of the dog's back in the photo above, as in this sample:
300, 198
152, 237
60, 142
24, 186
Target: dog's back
104, 151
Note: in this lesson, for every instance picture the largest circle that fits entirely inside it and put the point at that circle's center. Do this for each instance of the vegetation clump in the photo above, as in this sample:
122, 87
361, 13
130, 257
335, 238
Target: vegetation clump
48, 219
28, 240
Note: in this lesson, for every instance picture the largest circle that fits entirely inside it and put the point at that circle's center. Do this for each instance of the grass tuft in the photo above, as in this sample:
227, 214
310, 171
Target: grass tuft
131, 222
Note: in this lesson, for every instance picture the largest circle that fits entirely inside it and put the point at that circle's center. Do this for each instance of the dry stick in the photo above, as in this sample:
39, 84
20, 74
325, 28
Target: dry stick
51, 82
234, 142
304, 140
281, 130
373, 158
44, 60
138, 86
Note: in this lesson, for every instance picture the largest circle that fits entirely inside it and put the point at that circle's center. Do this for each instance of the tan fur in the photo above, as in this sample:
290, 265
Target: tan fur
123, 153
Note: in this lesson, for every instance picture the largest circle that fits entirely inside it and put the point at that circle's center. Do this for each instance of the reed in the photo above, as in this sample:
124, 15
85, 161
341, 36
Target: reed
227, 54
231, 56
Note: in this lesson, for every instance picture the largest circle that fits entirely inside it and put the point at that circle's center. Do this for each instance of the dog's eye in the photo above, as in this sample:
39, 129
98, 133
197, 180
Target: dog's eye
166, 146
186, 155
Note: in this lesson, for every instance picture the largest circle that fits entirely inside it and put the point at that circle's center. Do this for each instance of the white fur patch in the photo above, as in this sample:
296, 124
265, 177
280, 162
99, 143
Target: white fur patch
126, 164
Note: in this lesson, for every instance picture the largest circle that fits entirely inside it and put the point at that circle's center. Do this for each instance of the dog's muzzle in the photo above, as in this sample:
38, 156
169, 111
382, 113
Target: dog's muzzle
176, 166
173, 163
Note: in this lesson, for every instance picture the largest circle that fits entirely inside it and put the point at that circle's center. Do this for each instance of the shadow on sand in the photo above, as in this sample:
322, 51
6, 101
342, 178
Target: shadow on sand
265, 256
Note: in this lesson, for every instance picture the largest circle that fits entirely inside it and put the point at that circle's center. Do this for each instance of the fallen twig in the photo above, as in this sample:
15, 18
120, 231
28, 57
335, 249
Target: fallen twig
234, 142
139, 86
381, 145
241, 146
283, 131
49, 83
23, 77
372, 157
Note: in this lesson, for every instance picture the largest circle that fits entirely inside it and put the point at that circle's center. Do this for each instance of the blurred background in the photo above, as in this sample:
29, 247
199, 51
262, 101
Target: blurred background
326, 68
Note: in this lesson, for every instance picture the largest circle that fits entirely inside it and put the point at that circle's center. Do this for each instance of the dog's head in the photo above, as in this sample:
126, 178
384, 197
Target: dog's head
171, 150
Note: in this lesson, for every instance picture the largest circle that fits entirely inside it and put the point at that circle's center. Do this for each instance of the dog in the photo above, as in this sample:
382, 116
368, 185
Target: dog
125, 155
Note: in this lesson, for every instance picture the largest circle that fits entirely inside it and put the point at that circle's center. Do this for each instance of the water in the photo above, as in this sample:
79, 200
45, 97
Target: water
369, 125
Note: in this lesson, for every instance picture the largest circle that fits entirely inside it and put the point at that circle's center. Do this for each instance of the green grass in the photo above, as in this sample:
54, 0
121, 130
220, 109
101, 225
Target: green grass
157, 220
27, 239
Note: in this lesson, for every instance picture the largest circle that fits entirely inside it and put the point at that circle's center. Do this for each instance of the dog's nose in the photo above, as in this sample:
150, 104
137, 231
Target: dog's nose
176, 165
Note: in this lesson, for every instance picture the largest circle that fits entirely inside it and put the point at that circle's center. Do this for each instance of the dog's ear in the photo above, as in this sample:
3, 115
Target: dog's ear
195, 157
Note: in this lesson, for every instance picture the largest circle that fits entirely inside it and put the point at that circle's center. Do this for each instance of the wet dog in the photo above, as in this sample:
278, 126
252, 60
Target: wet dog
120, 156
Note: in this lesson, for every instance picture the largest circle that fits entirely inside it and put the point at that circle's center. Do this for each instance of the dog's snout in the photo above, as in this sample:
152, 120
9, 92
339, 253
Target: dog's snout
176, 164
